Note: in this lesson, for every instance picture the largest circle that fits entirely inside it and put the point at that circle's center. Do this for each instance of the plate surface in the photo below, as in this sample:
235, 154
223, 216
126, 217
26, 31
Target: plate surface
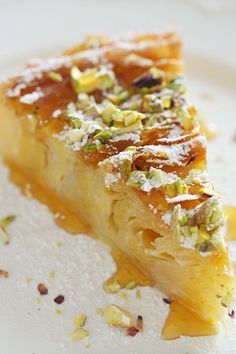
81, 264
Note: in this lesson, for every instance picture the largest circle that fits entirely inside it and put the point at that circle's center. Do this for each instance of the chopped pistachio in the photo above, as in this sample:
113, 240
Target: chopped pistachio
58, 312
79, 321
123, 296
123, 96
152, 104
112, 287
116, 316
107, 113
28, 280
78, 334
183, 220
131, 117
156, 73
177, 84
99, 311
7, 220
194, 176
52, 274
131, 285
89, 148
75, 76
131, 148
136, 179
83, 101
176, 187
74, 120
138, 294
3, 225
186, 119
4, 235
103, 135
156, 175
58, 244
92, 110
166, 102
91, 79
54, 76
38, 300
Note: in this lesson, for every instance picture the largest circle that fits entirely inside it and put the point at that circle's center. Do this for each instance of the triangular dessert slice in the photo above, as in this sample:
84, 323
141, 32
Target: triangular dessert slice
107, 131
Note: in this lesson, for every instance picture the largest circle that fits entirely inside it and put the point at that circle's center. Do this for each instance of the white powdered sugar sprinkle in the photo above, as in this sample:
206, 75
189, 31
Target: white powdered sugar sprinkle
30, 98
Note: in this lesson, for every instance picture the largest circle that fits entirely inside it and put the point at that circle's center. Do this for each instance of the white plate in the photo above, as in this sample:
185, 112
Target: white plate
29, 29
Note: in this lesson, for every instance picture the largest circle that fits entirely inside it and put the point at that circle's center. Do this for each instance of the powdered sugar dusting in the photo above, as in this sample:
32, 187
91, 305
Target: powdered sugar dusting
30, 98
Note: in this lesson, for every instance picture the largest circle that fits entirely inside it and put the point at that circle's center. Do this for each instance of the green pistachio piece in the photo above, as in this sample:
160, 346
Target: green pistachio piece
177, 84
103, 135
54, 76
7, 220
131, 117
83, 101
152, 104
89, 148
166, 102
186, 119
92, 110
76, 122
107, 113
136, 179
156, 175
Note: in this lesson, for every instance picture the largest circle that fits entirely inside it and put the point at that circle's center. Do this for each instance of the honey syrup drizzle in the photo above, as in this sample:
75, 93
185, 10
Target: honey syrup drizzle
230, 211
126, 275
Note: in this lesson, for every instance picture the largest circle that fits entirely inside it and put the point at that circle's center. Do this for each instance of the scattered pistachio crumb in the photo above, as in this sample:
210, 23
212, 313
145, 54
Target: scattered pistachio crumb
87, 346
3, 225
116, 316
131, 285
3, 273
99, 311
4, 235
38, 300
112, 287
58, 312
28, 280
79, 334
54, 76
79, 321
58, 244
138, 294
52, 274
123, 296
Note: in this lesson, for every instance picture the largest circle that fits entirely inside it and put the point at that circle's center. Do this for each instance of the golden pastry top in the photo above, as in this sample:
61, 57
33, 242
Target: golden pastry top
121, 105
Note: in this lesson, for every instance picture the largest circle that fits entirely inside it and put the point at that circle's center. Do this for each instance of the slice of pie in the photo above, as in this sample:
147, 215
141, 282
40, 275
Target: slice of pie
107, 132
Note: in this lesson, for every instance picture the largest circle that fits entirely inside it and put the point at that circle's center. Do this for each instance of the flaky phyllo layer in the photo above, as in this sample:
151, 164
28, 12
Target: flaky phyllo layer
108, 128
